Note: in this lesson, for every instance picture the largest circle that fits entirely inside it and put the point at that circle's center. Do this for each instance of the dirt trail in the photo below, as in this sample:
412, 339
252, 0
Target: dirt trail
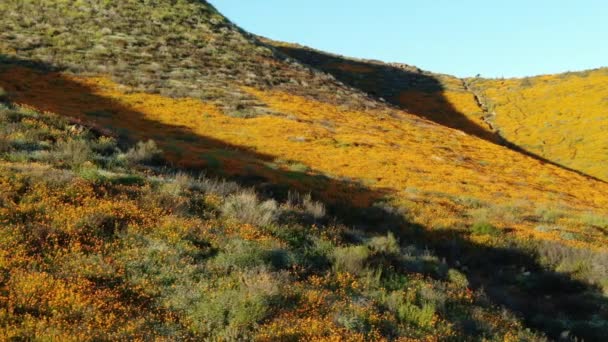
488, 117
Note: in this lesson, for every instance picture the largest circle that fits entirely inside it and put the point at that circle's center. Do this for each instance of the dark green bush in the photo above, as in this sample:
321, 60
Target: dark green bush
485, 228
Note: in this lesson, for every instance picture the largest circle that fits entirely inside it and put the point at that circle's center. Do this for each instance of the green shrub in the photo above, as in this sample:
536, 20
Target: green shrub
485, 228
353, 321
408, 312
385, 244
231, 309
167, 195
418, 316
219, 187
5, 145
298, 167
177, 185
127, 179
105, 146
73, 152
239, 254
3, 95
92, 174
100, 224
587, 265
595, 220
436, 296
458, 279
351, 259
247, 208
548, 215
146, 153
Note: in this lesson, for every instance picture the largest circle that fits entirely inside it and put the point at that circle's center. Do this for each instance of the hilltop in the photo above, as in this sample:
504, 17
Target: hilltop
341, 198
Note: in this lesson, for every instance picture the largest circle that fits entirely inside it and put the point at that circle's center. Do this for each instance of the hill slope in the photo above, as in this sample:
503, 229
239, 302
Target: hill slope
425, 167
98, 244
558, 118
562, 117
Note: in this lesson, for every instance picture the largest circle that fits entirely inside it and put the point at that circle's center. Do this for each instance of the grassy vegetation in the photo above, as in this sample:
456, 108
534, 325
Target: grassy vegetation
197, 134
184, 48
332, 216
95, 246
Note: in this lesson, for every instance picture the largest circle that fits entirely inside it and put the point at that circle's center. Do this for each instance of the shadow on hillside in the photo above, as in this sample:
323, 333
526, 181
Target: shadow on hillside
562, 308
548, 301
405, 87
409, 89
44, 88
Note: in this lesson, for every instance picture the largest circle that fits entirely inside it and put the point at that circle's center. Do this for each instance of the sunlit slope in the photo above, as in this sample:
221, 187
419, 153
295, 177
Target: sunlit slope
563, 118
437, 172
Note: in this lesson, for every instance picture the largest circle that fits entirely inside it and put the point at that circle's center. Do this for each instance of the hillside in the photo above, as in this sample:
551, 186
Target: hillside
557, 118
99, 244
563, 118
422, 224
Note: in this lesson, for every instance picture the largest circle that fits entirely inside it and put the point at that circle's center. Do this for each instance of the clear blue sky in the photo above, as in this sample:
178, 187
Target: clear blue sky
461, 37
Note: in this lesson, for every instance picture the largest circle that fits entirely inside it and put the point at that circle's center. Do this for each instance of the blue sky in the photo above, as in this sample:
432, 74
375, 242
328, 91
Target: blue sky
510, 38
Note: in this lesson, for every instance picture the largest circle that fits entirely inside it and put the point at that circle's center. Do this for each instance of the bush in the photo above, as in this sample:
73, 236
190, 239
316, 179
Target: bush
5, 145
595, 220
105, 146
306, 205
587, 265
408, 312
3, 95
548, 215
458, 279
146, 153
314, 208
351, 259
100, 224
168, 196
436, 296
219, 187
176, 186
240, 255
418, 316
74, 152
228, 310
354, 321
247, 208
385, 244
485, 228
